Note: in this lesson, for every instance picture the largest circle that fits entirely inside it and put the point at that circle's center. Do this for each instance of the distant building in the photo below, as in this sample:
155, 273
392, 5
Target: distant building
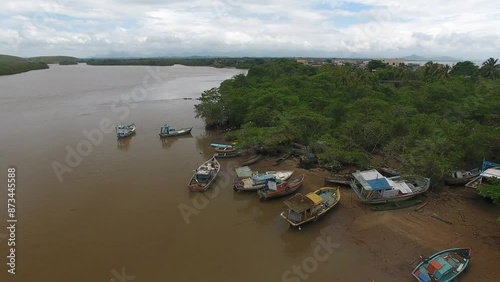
394, 62
302, 61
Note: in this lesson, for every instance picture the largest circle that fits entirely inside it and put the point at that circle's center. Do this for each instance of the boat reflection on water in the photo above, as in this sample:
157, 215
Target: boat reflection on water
168, 142
123, 143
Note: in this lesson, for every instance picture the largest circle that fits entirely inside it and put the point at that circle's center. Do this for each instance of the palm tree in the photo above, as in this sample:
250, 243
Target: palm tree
490, 68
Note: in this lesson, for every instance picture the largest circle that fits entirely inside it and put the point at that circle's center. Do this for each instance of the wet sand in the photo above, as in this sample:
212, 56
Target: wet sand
392, 241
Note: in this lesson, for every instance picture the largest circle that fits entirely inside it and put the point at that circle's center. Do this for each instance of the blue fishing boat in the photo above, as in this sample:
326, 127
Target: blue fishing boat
168, 131
443, 266
123, 130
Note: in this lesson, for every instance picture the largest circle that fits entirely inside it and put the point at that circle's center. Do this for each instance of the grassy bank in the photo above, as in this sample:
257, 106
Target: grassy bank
13, 65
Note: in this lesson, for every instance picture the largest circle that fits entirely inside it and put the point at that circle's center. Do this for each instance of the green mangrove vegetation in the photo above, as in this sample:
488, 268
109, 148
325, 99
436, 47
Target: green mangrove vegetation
431, 120
243, 63
62, 60
13, 65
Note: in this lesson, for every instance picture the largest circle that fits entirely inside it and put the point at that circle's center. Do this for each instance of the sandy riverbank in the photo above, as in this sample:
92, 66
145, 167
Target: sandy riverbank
393, 240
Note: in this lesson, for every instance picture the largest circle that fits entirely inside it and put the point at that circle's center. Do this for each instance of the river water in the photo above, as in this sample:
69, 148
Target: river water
91, 208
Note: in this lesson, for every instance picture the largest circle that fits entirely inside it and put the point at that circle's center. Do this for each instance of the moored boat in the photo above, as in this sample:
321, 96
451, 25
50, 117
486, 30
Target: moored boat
388, 171
258, 181
279, 188
371, 187
204, 175
216, 145
251, 160
124, 130
224, 150
339, 179
227, 154
168, 131
443, 266
461, 177
396, 205
305, 208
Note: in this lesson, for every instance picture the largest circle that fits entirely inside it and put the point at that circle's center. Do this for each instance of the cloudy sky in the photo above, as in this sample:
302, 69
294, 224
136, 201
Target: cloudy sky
465, 29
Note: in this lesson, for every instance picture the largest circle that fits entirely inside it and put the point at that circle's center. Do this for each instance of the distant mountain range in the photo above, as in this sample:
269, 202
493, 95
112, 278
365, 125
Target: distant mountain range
420, 58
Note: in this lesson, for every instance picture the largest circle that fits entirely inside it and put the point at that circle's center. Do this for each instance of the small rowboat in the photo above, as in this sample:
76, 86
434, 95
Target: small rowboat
252, 160
224, 150
461, 177
278, 188
227, 154
215, 145
396, 205
204, 176
305, 208
443, 266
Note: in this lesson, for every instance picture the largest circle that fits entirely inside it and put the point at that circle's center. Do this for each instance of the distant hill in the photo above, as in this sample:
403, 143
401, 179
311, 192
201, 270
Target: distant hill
13, 65
420, 58
62, 60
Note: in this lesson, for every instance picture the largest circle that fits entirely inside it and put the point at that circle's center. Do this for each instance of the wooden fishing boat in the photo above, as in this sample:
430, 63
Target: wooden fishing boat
204, 175
279, 188
258, 181
124, 130
216, 145
443, 266
461, 177
387, 171
224, 150
396, 205
251, 160
339, 179
282, 158
305, 208
167, 131
489, 170
371, 187
227, 154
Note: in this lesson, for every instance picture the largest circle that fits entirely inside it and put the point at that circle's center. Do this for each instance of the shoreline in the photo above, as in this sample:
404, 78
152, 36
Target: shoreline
393, 240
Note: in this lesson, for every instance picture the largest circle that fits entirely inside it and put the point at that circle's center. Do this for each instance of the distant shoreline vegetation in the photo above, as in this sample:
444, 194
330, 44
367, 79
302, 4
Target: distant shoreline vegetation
14, 65
239, 63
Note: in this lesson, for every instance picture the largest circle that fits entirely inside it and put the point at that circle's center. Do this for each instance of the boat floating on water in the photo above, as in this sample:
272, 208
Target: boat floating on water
167, 131
204, 175
305, 208
371, 187
216, 145
443, 266
124, 130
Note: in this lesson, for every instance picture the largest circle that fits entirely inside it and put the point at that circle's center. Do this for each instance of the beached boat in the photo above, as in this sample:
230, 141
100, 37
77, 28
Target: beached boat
373, 188
167, 131
280, 188
443, 266
224, 150
461, 177
387, 171
124, 130
489, 170
204, 176
227, 154
305, 208
251, 160
339, 179
258, 181
282, 158
216, 145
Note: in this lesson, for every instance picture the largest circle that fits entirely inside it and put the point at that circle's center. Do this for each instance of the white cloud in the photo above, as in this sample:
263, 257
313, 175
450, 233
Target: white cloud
464, 29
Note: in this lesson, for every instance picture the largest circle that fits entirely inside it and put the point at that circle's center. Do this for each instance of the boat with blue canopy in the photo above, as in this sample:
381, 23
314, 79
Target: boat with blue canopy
443, 266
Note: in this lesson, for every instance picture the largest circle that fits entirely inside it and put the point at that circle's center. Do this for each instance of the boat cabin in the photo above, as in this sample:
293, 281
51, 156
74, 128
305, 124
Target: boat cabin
122, 129
370, 184
204, 172
302, 207
166, 129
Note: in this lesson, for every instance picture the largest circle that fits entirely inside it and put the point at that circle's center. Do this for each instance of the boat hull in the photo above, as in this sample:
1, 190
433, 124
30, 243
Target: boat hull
290, 187
443, 266
180, 132
247, 184
196, 185
127, 134
251, 160
227, 155
335, 199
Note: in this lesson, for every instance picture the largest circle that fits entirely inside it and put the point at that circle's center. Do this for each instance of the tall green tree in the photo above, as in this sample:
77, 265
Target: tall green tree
490, 68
